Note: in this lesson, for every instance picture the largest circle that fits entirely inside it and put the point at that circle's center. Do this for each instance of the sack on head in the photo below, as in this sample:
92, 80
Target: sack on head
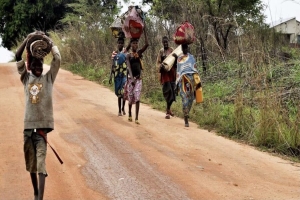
185, 34
134, 22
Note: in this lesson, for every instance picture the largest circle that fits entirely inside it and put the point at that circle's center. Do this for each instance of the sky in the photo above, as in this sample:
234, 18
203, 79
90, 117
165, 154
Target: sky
275, 10
281, 9
5, 55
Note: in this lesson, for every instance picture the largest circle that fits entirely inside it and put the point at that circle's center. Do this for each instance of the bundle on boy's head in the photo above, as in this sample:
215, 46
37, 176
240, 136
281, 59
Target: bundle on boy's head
39, 44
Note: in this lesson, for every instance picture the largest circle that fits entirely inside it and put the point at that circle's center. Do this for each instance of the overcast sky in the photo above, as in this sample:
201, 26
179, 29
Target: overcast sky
275, 10
281, 9
5, 55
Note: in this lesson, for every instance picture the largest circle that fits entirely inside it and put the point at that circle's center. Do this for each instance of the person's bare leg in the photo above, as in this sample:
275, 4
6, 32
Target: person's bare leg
34, 182
42, 179
129, 112
123, 106
137, 108
119, 106
186, 121
170, 111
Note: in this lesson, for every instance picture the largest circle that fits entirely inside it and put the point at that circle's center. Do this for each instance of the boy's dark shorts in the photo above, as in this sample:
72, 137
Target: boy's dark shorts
35, 150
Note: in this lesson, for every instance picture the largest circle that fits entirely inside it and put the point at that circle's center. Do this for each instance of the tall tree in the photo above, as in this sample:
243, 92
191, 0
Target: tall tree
92, 12
222, 15
88, 35
20, 17
228, 14
215, 19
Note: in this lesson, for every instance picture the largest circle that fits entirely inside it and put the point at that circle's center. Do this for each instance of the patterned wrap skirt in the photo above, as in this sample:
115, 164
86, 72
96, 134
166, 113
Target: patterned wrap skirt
120, 81
132, 91
187, 92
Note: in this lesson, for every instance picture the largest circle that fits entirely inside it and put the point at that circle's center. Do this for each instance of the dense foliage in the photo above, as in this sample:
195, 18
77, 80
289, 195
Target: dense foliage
20, 17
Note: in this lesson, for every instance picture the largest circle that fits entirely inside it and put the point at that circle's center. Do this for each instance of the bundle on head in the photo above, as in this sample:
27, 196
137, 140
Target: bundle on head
39, 45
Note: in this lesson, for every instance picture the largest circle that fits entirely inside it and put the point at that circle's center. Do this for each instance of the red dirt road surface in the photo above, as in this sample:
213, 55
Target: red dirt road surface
107, 157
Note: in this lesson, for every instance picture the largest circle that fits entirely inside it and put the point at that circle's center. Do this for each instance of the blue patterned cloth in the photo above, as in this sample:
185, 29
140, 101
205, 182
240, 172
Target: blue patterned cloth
185, 81
120, 72
185, 65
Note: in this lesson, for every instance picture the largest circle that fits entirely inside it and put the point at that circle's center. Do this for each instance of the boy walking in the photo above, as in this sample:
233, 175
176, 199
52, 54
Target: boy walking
38, 119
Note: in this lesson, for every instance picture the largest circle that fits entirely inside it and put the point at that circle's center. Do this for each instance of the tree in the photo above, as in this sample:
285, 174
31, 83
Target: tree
92, 12
215, 19
222, 15
88, 36
20, 17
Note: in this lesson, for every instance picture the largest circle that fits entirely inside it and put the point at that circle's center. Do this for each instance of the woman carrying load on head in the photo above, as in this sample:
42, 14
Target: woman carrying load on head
186, 70
119, 71
133, 85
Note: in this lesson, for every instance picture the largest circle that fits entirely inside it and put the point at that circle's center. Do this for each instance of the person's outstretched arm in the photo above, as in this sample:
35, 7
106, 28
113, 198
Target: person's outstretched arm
129, 67
146, 42
21, 50
127, 48
20, 62
55, 63
112, 66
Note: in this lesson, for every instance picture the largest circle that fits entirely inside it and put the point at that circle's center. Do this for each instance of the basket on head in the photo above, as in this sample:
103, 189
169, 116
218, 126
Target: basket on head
116, 27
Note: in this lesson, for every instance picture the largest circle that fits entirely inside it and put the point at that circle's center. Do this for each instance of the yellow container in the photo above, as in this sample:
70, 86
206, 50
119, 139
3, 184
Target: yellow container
199, 95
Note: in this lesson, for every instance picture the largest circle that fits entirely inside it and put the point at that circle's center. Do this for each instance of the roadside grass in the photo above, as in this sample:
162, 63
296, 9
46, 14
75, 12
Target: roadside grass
89, 72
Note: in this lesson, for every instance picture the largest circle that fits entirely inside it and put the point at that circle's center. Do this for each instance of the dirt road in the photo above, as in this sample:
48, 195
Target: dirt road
107, 157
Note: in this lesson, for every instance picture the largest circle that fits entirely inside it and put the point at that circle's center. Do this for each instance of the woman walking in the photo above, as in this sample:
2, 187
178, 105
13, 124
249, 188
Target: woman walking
133, 85
186, 70
119, 71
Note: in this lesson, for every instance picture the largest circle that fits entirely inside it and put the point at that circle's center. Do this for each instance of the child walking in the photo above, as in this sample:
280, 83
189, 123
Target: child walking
38, 120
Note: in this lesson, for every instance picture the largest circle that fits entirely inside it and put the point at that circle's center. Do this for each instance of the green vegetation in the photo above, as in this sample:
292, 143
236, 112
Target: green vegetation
250, 76
18, 18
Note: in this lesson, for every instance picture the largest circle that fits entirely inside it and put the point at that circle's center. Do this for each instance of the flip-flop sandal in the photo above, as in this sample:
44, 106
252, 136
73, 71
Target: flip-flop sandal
130, 119
137, 122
